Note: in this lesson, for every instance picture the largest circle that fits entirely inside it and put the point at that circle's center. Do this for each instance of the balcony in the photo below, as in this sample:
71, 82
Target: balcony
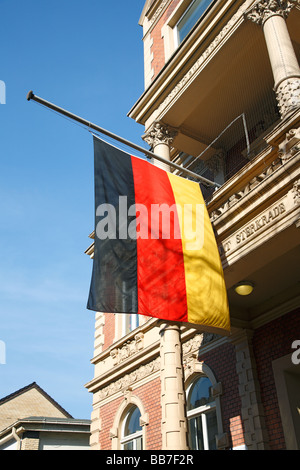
256, 218
216, 90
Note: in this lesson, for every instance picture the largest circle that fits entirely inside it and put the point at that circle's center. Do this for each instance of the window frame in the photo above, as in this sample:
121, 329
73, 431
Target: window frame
134, 436
168, 29
130, 321
176, 39
201, 411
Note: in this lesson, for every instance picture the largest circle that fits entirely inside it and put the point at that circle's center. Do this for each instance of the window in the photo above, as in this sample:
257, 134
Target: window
132, 435
130, 322
190, 18
287, 382
201, 414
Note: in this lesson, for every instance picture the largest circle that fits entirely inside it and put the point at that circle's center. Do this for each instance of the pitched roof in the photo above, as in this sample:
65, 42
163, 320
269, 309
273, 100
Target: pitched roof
34, 385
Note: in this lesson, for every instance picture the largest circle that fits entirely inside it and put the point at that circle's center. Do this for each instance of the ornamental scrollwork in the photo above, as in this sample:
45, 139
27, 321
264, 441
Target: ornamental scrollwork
296, 192
128, 349
286, 150
264, 9
127, 380
159, 133
288, 95
197, 342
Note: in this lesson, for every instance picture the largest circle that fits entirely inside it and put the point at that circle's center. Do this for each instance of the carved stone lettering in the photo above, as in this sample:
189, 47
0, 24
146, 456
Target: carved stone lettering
259, 223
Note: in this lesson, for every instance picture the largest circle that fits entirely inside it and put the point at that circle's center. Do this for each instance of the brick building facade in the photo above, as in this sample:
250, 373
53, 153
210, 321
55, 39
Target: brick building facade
221, 99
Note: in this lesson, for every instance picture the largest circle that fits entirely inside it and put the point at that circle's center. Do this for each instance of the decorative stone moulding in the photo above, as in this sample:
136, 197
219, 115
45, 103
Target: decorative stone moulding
286, 150
288, 95
264, 9
296, 192
128, 349
127, 380
159, 133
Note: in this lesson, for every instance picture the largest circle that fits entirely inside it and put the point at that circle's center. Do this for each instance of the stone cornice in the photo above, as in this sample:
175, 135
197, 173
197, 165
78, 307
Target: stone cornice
124, 382
156, 10
270, 175
124, 356
225, 32
136, 368
129, 338
166, 87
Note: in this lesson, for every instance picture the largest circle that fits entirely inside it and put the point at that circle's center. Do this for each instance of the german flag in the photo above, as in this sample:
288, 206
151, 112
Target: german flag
155, 252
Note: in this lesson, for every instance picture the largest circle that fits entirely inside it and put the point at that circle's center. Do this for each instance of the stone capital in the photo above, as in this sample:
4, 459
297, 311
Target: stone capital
159, 133
264, 9
288, 95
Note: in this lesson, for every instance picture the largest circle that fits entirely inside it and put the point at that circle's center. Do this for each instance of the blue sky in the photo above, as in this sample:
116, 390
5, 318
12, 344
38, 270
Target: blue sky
87, 57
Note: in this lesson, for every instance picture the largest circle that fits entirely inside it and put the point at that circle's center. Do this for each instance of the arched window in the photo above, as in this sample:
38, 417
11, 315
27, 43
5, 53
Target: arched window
201, 414
132, 434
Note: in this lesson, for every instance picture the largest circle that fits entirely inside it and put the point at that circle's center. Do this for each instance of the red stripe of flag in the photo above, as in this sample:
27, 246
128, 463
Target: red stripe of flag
160, 263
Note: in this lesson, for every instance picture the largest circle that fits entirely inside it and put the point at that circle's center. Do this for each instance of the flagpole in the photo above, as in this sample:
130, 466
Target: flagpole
95, 127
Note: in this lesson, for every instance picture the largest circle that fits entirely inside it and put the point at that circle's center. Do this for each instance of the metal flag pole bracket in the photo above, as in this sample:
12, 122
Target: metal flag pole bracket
90, 125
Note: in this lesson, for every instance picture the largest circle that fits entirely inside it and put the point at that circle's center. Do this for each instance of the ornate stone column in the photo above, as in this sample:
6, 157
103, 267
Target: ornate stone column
160, 138
271, 14
174, 423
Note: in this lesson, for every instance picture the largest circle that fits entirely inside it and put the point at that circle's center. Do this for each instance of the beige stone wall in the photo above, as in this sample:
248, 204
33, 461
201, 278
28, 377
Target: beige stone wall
30, 444
30, 403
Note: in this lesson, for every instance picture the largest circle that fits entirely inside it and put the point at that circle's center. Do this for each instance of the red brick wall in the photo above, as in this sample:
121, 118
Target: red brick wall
157, 48
271, 342
149, 394
109, 330
107, 416
222, 363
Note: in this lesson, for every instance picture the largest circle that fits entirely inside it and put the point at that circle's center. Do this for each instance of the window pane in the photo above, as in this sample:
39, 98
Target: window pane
130, 322
127, 329
135, 320
133, 422
139, 443
212, 429
196, 434
200, 393
191, 17
128, 445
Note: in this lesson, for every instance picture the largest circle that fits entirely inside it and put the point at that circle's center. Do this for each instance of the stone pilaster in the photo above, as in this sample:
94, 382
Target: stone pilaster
252, 410
174, 422
95, 429
271, 15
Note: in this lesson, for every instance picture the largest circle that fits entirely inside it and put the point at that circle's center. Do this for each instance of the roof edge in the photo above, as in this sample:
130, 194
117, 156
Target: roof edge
38, 388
